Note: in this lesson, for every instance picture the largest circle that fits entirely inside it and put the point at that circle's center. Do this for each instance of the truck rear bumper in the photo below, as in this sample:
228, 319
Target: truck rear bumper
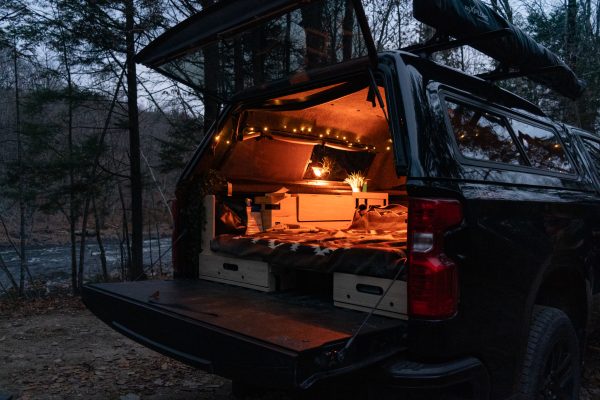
466, 377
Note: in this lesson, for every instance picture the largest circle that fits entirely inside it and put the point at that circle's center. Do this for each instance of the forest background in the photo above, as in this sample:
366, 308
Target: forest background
91, 144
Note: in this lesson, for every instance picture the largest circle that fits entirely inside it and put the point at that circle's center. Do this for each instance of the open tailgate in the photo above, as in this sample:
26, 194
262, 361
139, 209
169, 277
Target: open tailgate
237, 46
277, 340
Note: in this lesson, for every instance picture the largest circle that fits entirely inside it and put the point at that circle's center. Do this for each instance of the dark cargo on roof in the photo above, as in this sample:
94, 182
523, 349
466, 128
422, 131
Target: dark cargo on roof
513, 48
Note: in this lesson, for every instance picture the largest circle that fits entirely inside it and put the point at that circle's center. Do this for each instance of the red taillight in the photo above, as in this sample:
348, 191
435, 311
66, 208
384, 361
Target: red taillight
432, 276
175, 247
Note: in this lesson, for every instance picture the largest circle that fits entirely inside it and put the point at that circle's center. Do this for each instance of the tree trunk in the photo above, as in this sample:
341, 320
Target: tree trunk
72, 199
149, 238
211, 80
125, 230
136, 269
571, 32
348, 28
312, 22
238, 64
73, 239
22, 205
84, 220
160, 266
9, 275
288, 45
97, 229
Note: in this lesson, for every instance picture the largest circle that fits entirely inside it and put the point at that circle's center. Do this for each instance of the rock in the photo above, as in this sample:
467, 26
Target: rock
130, 396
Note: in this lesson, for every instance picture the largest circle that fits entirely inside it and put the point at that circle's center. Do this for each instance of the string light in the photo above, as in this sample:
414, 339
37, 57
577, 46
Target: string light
350, 141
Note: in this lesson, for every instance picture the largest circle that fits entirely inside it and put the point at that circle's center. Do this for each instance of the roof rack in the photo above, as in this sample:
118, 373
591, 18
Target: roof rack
503, 73
442, 42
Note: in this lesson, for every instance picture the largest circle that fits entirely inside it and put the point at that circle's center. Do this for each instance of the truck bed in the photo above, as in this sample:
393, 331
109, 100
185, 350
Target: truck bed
285, 340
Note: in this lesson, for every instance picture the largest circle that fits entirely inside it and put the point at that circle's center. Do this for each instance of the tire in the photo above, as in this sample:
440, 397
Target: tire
552, 366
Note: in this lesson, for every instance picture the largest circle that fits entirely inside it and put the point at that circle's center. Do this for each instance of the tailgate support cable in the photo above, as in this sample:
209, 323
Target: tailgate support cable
341, 354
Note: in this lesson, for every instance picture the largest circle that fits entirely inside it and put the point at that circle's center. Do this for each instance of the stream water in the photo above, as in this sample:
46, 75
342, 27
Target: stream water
52, 264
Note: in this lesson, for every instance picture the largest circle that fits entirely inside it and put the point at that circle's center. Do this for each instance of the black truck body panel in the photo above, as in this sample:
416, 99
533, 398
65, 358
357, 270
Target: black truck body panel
529, 237
521, 226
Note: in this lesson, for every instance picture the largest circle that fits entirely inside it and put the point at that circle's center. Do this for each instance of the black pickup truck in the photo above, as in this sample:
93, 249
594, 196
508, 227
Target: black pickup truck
372, 221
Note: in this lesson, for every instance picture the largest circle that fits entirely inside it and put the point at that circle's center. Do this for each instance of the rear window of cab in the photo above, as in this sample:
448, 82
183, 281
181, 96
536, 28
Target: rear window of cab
487, 136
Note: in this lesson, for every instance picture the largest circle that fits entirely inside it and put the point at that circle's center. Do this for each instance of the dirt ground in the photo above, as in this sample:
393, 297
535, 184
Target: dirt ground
55, 349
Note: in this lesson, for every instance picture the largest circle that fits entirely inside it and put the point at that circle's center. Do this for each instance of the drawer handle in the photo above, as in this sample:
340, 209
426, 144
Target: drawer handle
369, 289
230, 267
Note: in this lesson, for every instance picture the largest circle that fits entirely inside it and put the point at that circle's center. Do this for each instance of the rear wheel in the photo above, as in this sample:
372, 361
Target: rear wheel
552, 367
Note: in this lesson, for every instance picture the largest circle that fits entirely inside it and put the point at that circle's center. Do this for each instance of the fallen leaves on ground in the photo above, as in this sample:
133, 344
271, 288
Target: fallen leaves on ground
53, 348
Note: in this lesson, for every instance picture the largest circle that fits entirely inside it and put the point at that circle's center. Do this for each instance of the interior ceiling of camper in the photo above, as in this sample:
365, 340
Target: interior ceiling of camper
279, 141
350, 115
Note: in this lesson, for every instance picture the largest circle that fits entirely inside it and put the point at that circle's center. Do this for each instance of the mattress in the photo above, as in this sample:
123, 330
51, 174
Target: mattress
362, 249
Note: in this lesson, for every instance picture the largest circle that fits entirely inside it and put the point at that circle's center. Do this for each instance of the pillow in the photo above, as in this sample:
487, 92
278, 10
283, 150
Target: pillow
388, 218
229, 221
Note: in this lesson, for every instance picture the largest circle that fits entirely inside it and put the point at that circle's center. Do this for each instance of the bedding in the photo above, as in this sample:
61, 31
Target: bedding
377, 251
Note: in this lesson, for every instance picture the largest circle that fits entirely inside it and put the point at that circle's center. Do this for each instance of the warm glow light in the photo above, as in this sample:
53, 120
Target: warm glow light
228, 142
302, 129
321, 135
344, 137
328, 132
318, 183
310, 129
251, 129
388, 148
266, 128
318, 171
295, 130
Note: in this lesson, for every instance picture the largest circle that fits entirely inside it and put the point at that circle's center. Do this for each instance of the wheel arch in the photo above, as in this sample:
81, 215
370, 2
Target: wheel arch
569, 289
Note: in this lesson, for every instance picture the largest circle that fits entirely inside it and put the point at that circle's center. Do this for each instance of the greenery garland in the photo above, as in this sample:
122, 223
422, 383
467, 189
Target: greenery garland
192, 213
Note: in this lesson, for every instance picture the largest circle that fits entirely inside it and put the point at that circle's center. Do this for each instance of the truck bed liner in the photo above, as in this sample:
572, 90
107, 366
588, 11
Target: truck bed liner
275, 339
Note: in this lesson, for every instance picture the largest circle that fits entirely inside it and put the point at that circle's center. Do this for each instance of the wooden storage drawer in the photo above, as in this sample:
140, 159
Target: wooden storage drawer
371, 199
363, 292
246, 273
